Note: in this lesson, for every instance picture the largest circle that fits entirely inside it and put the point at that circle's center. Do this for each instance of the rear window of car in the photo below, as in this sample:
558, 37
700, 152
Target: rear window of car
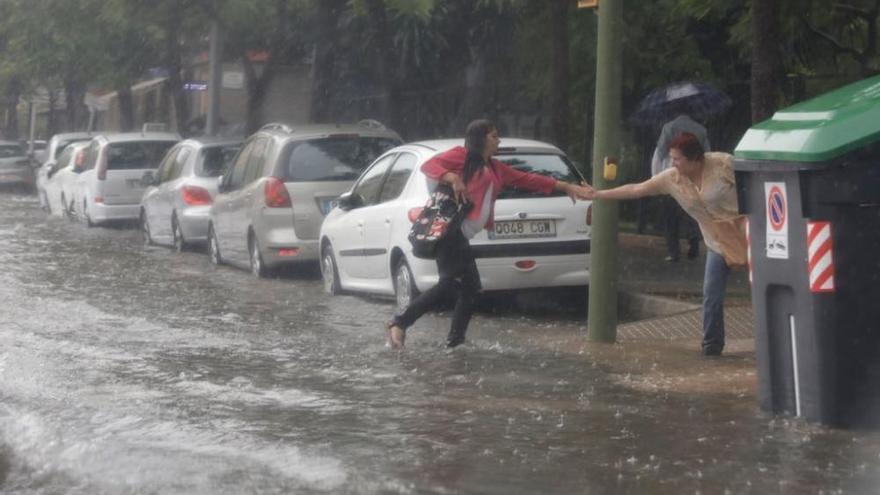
334, 158
136, 154
216, 159
62, 145
10, 150
555, 166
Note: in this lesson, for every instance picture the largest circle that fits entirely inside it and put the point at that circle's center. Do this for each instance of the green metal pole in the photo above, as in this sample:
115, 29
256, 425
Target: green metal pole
602, 311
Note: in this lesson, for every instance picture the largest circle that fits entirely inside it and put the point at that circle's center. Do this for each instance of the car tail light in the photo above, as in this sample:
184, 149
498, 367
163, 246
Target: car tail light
525, 264
414, 213
194, 195
99, 199
590, 215
276, 194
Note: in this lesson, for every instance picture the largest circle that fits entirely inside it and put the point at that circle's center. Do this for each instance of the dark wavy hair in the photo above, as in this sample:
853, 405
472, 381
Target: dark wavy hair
689, 146
475, 143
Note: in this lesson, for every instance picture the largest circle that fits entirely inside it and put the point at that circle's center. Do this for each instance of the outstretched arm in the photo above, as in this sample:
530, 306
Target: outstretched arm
650, 187
574, 191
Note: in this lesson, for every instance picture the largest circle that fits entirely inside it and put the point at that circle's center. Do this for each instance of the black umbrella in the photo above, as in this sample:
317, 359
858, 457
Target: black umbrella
698, 99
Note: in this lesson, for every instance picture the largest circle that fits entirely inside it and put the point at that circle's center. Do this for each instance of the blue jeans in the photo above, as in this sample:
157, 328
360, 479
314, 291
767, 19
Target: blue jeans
714, 284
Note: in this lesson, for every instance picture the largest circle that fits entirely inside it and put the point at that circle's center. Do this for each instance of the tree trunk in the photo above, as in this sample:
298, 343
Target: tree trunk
74, 93
388, 92
257, 88
559, 85
13, 93
323, 64
126, 107
767, 68
52, 124
175, 69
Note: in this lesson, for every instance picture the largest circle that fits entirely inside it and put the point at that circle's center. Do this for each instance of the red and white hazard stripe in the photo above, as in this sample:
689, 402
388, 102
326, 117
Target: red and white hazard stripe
820, 257
749, 248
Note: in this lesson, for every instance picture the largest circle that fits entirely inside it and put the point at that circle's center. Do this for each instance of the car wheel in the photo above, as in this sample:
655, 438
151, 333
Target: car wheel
330, 272
145, 230
258, 268
404, 284
213, 246
177, 240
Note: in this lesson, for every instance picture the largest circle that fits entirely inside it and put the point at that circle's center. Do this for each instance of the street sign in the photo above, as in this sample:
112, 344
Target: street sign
588, 4
777, 220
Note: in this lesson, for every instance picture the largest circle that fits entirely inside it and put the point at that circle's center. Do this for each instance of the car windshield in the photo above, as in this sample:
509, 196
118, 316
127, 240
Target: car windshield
555, 166
216, 158
334, 158
137, 154
10, 150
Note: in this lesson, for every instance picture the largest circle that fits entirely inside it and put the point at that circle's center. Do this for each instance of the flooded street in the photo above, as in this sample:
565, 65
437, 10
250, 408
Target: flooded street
132, 369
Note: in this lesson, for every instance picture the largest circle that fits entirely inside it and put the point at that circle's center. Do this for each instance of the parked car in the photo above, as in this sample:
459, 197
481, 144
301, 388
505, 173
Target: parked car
111, 185
15, 167
61, 179
53, 149
537, 240
272, 201
175, 209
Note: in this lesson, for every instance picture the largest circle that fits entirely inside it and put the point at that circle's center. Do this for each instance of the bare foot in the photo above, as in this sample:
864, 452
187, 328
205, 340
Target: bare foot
396, 336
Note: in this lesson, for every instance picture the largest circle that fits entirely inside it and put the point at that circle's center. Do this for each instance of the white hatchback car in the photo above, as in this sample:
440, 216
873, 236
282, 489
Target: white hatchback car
537, 240
111, 186
61, 178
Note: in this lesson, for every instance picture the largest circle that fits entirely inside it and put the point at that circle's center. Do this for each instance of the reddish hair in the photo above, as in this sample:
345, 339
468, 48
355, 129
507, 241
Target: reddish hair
688, 145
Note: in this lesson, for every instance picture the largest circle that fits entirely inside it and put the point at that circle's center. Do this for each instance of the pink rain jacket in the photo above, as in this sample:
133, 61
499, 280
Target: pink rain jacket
498, 176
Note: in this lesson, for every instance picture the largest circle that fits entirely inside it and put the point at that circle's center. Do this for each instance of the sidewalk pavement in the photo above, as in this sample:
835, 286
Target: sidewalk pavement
650, 286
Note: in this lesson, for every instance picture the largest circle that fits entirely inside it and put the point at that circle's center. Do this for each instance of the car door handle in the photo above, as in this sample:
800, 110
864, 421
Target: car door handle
387, 220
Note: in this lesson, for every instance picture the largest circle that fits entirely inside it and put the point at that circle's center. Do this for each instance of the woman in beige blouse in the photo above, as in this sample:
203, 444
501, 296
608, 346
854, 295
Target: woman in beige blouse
703, 184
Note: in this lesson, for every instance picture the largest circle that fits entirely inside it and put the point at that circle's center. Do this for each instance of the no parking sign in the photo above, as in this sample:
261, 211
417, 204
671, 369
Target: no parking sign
776, 200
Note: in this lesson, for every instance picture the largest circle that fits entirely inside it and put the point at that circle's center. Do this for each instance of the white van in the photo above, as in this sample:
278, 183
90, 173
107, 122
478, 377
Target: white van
111, 185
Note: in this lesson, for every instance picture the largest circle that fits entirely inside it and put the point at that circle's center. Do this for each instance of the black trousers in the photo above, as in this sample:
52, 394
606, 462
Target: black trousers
459, 278
675, 221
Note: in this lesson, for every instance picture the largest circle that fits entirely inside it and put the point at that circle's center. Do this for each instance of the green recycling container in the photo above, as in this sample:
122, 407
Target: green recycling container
808, 180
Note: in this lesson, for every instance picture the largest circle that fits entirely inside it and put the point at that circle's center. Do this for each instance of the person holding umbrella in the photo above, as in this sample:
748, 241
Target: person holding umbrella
703, 184
678, 106
674, 216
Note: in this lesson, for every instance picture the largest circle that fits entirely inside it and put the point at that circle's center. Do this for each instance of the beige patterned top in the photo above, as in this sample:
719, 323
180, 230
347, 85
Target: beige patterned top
713, 205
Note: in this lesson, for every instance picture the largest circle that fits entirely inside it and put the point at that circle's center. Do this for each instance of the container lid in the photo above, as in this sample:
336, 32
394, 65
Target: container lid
820, 129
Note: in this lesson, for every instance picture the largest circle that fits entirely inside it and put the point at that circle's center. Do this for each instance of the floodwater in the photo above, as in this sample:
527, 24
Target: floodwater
127, 369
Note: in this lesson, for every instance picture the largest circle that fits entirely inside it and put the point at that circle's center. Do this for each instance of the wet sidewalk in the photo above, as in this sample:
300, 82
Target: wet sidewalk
664, 297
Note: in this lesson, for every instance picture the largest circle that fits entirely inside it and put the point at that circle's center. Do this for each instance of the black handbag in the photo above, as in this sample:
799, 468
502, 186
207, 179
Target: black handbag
441, 215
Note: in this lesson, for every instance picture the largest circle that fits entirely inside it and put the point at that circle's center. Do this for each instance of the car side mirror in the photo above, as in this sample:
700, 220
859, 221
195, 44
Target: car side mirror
148, 179
222, 186
350, 201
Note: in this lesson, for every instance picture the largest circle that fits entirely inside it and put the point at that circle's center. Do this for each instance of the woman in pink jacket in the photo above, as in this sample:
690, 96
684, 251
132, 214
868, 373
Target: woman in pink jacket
476, 177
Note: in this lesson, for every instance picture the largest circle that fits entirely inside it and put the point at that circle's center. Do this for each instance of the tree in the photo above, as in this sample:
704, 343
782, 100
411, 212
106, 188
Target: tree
263, 36
767, 64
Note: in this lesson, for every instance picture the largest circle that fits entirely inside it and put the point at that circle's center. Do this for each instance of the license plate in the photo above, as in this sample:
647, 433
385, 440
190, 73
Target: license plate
523, 229
327, 204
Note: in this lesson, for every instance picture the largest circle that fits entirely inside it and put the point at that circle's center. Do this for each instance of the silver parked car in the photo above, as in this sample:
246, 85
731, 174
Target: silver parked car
284, 180
15, 166
176, 205
110, 187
